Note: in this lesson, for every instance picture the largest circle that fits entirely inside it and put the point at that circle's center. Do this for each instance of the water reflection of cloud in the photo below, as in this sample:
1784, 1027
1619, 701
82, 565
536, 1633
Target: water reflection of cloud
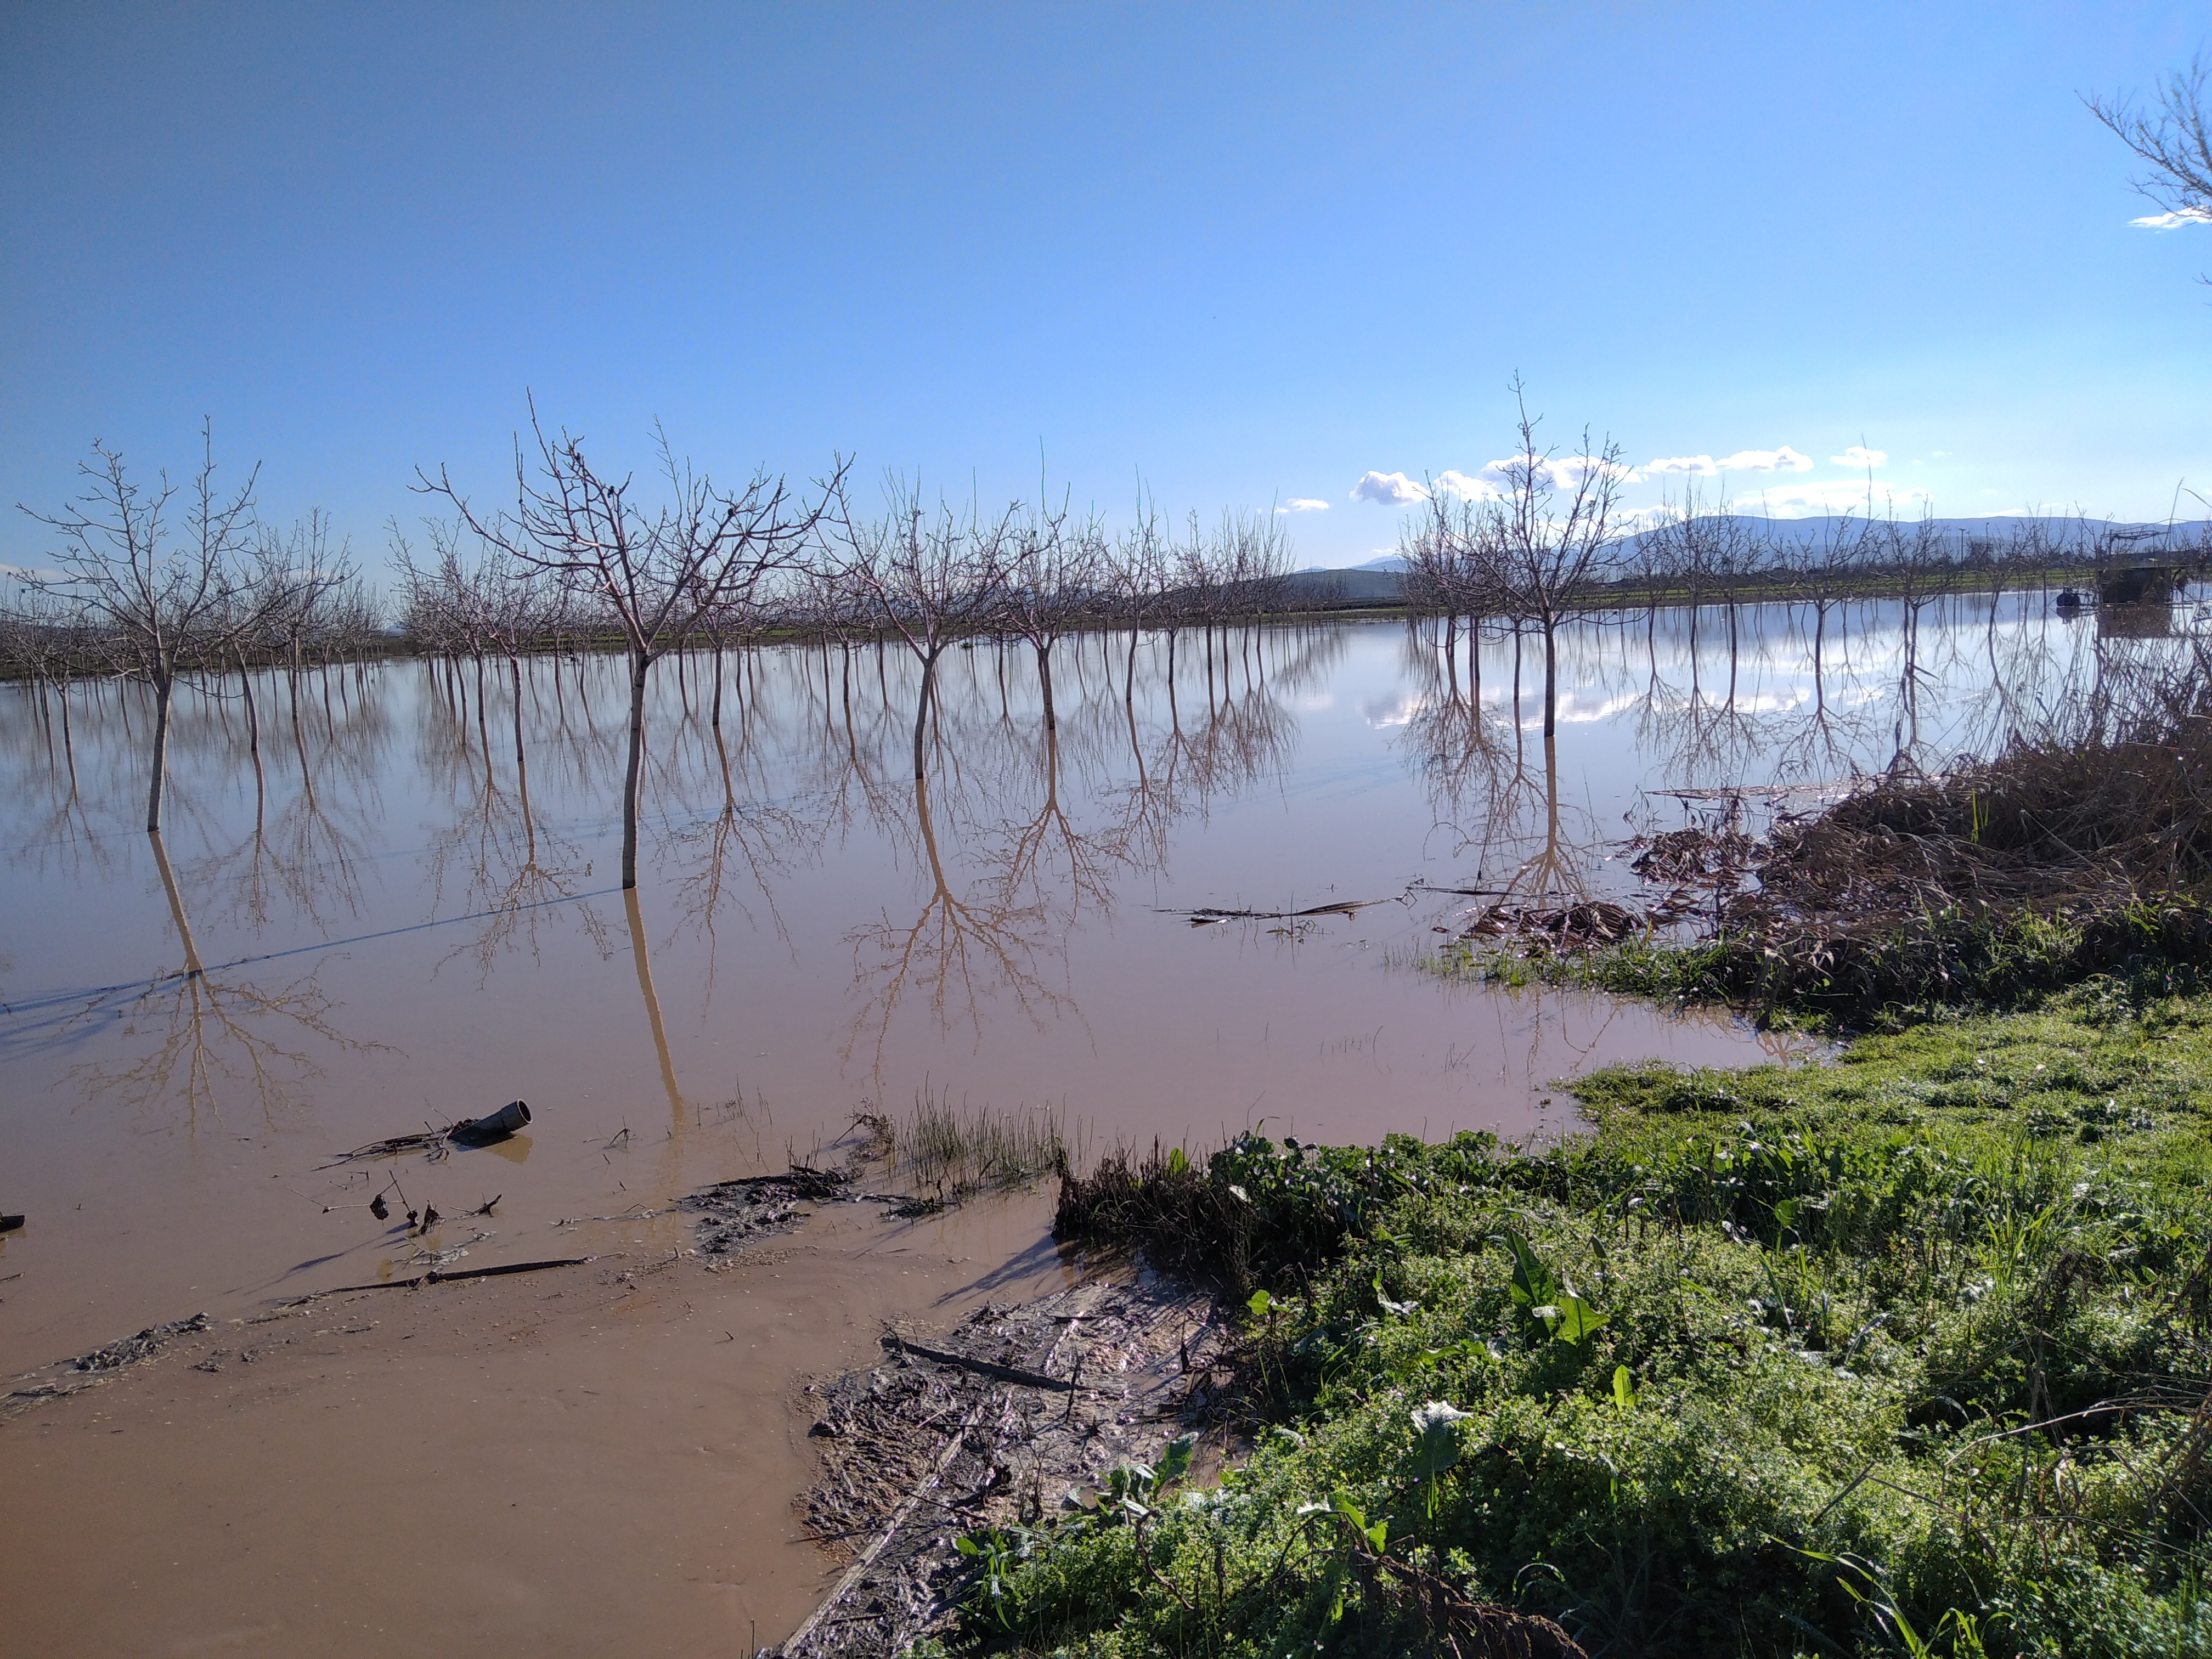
1385, 712
1759, 702
1575, 707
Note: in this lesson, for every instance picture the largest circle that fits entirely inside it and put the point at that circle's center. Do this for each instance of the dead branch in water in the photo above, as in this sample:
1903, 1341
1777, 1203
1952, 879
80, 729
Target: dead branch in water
433, 1277
1205, 915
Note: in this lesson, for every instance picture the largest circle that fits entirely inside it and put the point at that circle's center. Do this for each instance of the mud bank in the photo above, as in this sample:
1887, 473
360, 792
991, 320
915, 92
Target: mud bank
607, 1457
997, 1421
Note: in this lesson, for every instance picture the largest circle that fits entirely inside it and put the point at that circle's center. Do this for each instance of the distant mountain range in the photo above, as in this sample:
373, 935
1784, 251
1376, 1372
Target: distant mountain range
1378, 580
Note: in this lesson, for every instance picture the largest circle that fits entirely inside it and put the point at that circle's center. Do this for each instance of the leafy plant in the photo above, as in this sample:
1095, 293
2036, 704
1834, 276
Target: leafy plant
1547, 1299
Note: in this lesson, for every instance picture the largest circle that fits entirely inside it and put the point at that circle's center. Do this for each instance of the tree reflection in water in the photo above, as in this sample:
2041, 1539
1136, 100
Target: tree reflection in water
771, 761
194, 1036
1730, 706
1012, 864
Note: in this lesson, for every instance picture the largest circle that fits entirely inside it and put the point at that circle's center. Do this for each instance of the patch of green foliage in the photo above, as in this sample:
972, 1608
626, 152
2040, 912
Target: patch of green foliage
1926, 964
1906, 1351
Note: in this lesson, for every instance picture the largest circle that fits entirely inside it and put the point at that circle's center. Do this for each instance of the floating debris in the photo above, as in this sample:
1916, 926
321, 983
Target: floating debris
144, 1346
735, 1213
486, 1131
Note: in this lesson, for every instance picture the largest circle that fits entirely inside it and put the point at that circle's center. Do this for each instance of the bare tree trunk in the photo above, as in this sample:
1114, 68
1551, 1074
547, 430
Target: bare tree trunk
193, 969
484, 731
162, 688
921, 710
653, 1014
514, 669
522, 767
1550, 679
639, 666
252, 714
1044, 681
68, 747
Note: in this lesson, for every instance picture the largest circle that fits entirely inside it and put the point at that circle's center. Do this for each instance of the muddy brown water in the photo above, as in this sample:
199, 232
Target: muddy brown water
397, 885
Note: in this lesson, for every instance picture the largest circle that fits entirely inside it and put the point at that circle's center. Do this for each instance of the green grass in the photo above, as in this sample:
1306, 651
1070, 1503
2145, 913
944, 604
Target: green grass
1905, 1352
1929, 965
954, 1153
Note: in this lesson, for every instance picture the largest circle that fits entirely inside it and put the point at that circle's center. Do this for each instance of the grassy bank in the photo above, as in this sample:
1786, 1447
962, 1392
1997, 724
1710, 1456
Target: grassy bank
1909, 1351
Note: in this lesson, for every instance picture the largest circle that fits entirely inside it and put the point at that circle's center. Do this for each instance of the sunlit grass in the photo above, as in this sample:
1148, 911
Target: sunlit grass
1788, 1359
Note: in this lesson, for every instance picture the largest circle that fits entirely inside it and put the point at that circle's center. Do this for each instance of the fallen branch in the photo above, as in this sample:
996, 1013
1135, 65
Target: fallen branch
990, 1368
627, 1215
436, 1278
1206, 915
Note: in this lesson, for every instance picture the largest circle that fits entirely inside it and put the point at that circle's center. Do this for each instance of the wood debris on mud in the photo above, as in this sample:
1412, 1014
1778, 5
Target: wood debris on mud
994, 1422
732, 1215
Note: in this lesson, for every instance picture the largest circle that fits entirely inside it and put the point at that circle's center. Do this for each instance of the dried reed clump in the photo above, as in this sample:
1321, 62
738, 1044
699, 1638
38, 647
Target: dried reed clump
2063, 856
2042, 822
2077, 851
1169, 1205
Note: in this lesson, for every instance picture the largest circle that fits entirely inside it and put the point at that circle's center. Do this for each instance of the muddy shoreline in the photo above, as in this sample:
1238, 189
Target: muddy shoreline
997, 1422
609, 1456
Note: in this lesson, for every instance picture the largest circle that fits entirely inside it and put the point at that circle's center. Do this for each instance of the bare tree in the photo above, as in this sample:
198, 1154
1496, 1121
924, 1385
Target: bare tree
1447, 561
165, 609
660, 571
929, 579
1055, 573
2174, 136
1551, 533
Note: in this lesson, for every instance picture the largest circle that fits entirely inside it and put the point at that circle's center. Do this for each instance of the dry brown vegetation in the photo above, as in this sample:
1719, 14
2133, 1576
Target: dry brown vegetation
2084, 848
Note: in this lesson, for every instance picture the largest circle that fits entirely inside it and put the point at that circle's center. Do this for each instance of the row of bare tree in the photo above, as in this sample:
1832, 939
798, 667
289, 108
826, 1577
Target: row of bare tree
1550, 536
578, 555
131, 592
577, 558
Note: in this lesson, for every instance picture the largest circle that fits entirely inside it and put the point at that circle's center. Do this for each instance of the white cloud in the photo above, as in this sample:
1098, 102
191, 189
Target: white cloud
1467, 488
1859, 455
1487, 483
1302, 504
1389, 490
1571, 469
1785, 460
1808, 501
1563, 473
1939, 454
2176, 220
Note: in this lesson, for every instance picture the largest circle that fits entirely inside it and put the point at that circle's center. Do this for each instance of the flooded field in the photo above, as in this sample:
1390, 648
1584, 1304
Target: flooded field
385, 900
396, 884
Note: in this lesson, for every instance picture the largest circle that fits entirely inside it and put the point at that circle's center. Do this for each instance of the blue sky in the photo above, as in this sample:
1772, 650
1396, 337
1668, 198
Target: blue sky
1247, 254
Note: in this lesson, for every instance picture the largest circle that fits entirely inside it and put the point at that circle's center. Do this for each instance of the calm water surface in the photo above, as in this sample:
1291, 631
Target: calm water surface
404, 907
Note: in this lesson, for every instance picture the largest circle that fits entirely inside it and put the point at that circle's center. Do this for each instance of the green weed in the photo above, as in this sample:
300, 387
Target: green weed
1909, 1351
